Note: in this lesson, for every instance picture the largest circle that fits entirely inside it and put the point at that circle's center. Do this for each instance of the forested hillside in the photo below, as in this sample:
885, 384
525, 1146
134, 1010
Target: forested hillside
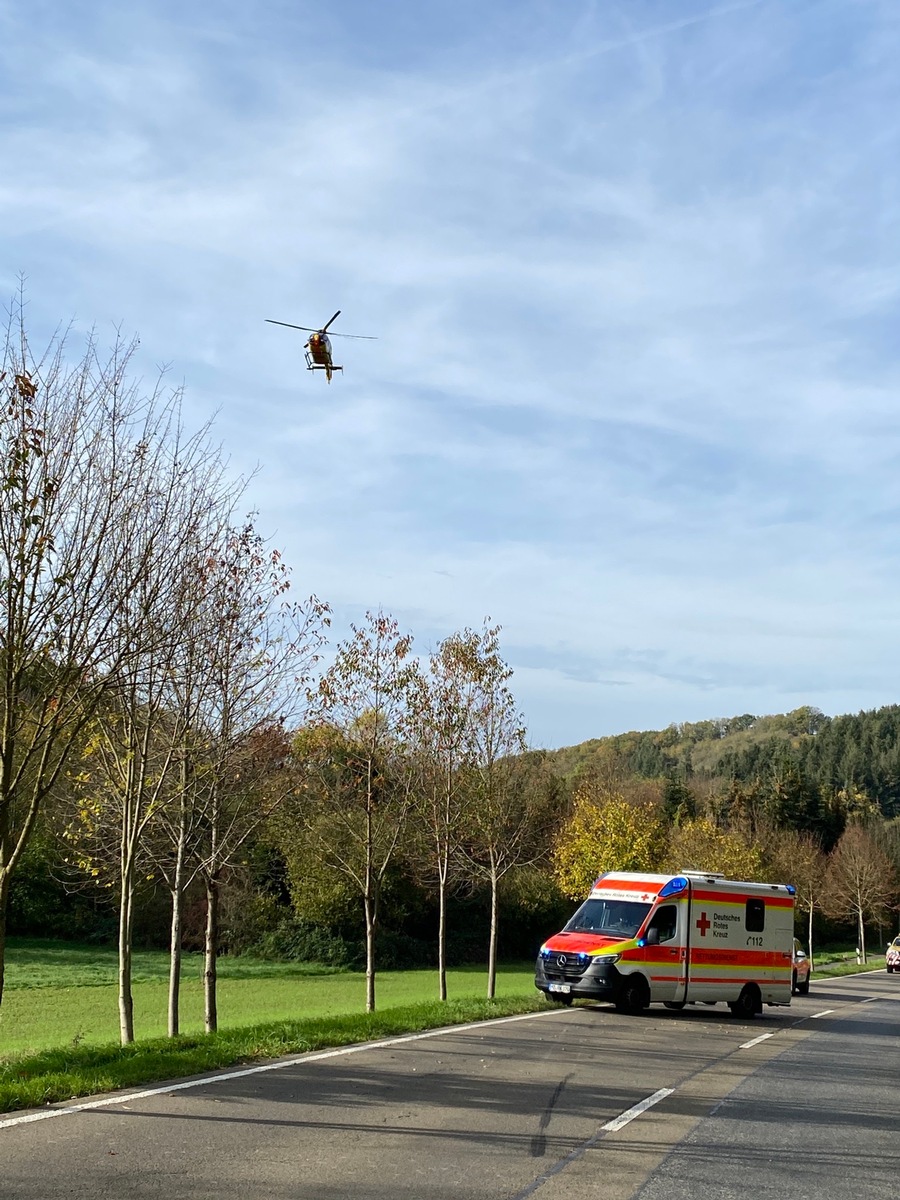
800, 758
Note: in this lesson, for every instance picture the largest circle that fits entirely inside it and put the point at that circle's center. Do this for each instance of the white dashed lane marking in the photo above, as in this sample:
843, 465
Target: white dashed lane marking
635, 1111
755, 1042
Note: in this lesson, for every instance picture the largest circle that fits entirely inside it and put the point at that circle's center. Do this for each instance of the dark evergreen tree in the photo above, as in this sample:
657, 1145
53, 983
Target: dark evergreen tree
679, 804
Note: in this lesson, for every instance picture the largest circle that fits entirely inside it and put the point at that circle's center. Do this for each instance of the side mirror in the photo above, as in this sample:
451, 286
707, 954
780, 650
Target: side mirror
653, 936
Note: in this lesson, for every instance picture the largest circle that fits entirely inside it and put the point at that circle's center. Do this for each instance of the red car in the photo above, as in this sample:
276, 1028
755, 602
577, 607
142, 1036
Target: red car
892, 958
799, 971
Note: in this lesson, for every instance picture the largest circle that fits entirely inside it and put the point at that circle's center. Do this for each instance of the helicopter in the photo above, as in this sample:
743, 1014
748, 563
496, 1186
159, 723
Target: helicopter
318, 345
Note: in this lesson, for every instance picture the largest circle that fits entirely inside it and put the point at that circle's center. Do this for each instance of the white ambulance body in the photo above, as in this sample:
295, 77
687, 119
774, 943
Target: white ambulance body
695, 937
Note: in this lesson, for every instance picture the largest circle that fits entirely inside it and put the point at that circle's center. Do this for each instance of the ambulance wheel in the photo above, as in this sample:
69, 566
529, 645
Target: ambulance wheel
890, 970
633, 995
803, 988
678, 1005
748, 1003
793, 983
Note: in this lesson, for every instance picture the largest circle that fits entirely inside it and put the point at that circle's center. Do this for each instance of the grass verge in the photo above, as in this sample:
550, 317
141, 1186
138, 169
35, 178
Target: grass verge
33, 1080
847, 966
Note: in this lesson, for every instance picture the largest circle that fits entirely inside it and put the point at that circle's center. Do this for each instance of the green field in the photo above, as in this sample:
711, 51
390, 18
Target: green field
60, 995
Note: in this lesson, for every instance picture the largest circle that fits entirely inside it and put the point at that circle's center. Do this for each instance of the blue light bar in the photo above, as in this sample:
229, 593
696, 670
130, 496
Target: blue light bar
673, 887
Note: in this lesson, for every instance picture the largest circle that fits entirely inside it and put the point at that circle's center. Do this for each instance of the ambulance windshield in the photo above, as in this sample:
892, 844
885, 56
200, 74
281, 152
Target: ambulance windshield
613, 918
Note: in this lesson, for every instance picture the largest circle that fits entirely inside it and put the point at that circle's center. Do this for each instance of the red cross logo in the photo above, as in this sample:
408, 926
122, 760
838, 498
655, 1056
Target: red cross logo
703, 924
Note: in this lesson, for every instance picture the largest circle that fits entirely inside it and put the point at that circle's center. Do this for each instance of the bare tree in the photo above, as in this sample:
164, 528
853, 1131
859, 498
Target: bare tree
257, 651
508, 809
886, 835
114, 793
128, 765
355, 767
445, 709
798, 858
176, 850
80, 453
861, 880
512, 829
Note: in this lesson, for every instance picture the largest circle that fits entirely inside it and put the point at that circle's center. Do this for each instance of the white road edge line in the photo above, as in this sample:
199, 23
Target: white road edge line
824, 1013
208, 1080
636, 1110
755, 1042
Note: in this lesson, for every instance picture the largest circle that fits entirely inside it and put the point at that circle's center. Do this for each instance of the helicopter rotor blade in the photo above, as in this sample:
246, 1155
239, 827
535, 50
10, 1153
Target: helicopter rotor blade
305, 328
309, 329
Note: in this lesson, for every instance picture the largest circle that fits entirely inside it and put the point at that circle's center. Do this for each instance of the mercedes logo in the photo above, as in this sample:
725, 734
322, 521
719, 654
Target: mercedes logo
562, 960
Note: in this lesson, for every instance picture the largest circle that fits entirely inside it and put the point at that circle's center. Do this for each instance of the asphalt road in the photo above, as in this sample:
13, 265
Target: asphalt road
574, 1104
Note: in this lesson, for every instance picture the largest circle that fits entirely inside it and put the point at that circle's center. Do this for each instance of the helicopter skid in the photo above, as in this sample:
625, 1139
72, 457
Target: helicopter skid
321, 367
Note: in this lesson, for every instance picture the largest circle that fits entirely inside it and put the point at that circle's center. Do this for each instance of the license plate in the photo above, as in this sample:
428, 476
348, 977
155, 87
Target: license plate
560, 987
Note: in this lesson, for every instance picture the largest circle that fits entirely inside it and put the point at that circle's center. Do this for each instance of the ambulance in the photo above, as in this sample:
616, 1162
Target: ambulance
691, 938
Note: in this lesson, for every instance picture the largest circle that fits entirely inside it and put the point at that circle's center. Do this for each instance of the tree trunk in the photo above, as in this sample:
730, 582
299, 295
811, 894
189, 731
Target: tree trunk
175, 942
442, 941
4, 904
211, 1014
492, 949
369, 898
810, 939
5, 873
862, 935
126, 999
175, 965
370, 952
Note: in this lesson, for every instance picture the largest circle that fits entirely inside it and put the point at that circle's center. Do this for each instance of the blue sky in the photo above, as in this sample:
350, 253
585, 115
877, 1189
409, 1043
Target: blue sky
633, 268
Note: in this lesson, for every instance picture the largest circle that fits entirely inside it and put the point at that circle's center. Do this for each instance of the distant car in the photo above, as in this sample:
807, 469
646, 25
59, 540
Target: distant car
892, 958
800, 970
